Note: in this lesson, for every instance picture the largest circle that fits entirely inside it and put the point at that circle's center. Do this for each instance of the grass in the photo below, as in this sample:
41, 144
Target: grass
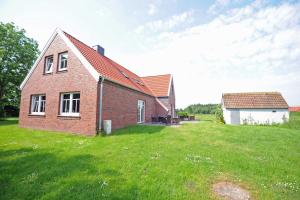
148, 162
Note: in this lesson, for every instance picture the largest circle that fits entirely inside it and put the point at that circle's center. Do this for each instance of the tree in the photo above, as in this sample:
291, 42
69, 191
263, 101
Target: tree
219, 114
17, 55
201, 108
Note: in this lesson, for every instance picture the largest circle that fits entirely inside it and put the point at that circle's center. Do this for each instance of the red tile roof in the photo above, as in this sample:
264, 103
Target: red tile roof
110, 69
254, 100
159, 84
294, 109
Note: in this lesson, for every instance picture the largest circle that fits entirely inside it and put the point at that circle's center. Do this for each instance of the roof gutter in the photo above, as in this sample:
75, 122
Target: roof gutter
101, 79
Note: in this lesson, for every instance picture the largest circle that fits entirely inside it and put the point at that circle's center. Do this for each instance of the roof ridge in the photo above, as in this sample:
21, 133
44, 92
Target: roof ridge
80, 41
273, 92
156, 75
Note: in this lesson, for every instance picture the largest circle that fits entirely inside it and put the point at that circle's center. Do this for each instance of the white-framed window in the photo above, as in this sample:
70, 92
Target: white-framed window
140, 111
38, 104
70, 104
48, 64
62, 61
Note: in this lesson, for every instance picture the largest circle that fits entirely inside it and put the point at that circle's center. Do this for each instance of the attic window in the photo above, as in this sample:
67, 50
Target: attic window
63, 60
138, 82
48, 64
124, 74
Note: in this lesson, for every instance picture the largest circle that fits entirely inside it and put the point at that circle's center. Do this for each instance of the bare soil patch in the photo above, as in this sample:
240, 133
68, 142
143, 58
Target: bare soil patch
230, 191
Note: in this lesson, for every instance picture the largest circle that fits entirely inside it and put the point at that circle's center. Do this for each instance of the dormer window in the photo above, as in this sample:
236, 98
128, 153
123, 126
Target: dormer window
124, 74
48, 64
62, 61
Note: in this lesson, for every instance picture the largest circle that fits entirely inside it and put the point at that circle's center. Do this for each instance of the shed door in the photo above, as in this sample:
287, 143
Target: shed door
235, 116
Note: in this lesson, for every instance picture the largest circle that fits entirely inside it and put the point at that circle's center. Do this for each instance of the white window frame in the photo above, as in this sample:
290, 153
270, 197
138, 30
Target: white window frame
70, 113
40, 101
139, 111
59, 61
46, 65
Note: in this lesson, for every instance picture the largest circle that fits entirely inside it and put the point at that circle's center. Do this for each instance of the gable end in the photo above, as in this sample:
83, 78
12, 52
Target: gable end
82, 59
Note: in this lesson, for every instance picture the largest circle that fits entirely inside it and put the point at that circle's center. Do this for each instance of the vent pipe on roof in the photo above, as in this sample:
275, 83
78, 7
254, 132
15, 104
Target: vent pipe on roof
99, 49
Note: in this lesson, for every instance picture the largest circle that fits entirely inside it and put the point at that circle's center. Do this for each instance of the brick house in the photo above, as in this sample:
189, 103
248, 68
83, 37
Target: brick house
73, 87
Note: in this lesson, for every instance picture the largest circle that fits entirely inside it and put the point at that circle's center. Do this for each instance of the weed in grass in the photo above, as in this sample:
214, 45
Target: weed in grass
198, 159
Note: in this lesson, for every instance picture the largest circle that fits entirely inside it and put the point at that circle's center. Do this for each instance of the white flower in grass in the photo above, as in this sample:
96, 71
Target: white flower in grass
80, 142
103, 183
31, 177
288, 185
155, 156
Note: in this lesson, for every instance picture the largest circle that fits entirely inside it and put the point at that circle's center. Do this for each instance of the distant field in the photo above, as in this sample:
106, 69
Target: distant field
147, 162
205, 117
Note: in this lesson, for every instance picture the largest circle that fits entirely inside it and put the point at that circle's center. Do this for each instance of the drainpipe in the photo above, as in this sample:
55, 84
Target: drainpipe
101, 79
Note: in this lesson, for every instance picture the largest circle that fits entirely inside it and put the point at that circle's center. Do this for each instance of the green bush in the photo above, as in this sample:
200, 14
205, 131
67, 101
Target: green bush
219, 114
183, 114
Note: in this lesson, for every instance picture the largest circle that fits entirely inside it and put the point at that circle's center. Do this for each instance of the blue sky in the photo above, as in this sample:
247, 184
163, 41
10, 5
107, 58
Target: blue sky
210, 47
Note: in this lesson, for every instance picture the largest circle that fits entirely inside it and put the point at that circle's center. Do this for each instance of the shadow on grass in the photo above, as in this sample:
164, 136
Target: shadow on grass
26, 173
138, 129
12, 121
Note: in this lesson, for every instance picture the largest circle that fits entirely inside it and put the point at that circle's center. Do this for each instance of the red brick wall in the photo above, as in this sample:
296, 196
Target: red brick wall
77, 78
120, 105
161, 111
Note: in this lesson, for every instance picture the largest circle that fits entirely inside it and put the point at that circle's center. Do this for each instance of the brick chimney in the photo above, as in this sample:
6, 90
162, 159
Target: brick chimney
99, 49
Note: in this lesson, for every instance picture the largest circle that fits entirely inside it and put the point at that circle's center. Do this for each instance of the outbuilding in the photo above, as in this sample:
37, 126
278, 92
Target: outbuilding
254, 108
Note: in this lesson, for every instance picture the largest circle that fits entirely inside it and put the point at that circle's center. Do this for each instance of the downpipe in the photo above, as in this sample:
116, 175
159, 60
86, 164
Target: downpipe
101, 79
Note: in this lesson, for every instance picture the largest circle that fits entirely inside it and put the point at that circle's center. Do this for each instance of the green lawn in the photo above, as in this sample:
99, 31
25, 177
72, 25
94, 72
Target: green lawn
143, 162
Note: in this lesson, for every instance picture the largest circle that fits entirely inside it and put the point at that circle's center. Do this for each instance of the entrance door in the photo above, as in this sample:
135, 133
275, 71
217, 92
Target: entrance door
235, 116
141, 111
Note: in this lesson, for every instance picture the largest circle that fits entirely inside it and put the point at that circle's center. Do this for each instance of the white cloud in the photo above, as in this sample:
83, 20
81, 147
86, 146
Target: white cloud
255, 48
152, 9
165, 25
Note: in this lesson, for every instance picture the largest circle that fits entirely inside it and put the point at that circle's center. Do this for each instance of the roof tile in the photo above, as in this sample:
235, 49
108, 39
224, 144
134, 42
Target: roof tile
254, 100
110, 69
159, 84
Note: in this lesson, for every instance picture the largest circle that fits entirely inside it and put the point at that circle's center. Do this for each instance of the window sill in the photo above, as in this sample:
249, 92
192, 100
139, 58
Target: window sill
61, 71
68, 117
48, 73
36, 115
